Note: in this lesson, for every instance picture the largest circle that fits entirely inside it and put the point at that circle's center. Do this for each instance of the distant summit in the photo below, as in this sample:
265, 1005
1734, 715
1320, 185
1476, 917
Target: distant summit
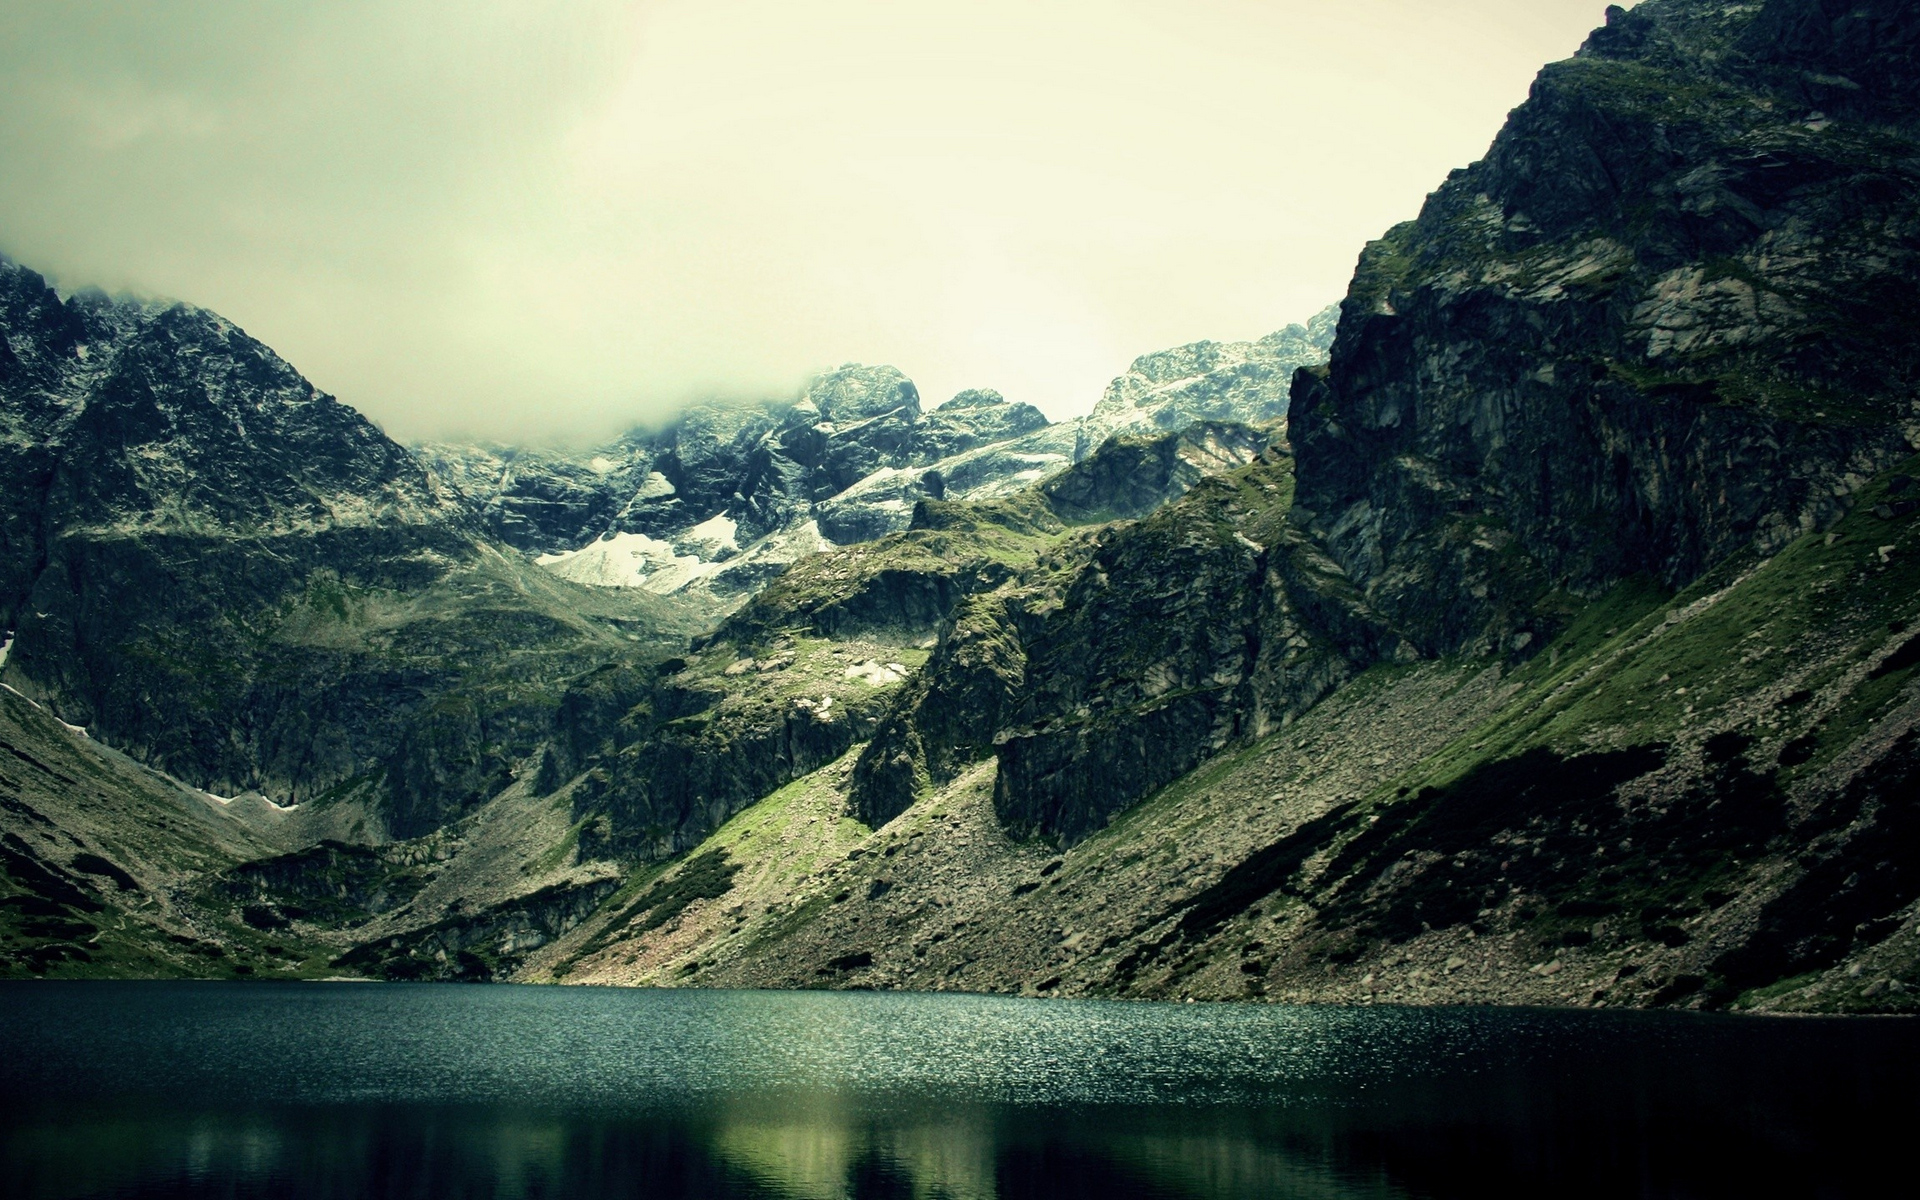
1210, 381
845, 462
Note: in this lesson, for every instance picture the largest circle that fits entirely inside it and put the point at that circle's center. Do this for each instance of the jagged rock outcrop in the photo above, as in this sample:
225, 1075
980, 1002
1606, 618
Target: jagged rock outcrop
540, 501
973, 418
121, 418
726, 497
1130, 475
907, 584
1636, 339
652, 760
1121, 662
1248, 382
1667, 318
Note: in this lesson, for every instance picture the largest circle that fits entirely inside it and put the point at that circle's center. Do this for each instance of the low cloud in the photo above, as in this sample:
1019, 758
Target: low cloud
545, 219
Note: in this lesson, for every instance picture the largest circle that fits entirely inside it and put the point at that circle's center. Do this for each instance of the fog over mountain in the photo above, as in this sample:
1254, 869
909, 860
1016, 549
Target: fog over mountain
543, 220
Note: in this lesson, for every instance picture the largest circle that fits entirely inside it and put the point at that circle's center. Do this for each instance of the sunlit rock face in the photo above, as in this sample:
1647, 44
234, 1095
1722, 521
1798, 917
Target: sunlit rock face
1209, 381
974, 418
1668, 317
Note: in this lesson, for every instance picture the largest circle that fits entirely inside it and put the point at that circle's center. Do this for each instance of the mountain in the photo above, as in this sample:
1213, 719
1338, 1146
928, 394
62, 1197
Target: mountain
338, 660
725, 497
1570, 660
1210, 381
647, 757
1663, 321
236, 579
1561, 650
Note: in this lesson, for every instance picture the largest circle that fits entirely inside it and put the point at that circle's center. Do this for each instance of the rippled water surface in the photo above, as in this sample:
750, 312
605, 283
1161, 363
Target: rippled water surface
137, 1089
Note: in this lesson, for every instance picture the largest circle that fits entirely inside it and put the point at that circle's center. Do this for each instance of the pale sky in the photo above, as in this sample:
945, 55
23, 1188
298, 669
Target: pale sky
554, 218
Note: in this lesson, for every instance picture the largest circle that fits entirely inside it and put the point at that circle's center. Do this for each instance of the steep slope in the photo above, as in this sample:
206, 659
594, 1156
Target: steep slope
1107, 675
649, 759
1703, 799
100, 859
236, 579
1665, 320
807, 668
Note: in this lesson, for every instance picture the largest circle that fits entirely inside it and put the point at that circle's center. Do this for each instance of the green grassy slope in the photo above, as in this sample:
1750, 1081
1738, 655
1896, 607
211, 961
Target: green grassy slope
102, 859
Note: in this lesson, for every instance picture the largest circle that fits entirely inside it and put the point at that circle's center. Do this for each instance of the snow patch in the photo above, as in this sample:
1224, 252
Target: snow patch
600, 464
656, 486
4, 648
717, 531
248, 797
629, 560
874, 674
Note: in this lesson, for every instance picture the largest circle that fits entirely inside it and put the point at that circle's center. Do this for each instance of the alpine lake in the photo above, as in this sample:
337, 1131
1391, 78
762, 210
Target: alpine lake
240, 1090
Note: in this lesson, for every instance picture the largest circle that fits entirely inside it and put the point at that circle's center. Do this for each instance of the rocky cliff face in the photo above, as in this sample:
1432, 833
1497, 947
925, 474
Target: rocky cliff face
1569, 657
1664, 320
1127, 657
759, 465
807, 669
727, 496
126, 418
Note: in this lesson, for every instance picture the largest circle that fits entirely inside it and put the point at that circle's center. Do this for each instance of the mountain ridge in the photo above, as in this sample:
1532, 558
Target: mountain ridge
1560, 649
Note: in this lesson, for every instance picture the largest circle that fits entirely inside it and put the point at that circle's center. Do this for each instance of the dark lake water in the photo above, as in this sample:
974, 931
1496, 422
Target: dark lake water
162, 1089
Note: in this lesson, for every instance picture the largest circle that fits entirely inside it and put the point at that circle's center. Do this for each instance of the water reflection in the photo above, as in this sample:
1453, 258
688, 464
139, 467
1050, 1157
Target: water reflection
122, 1090
825, 1156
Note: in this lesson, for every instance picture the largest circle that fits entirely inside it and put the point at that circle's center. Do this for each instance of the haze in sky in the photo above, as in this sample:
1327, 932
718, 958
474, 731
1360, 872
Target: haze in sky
554, 218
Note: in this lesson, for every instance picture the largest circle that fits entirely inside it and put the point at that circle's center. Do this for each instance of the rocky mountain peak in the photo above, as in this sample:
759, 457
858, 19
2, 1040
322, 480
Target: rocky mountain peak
165, 415
1210, 381
972, 398
854, 392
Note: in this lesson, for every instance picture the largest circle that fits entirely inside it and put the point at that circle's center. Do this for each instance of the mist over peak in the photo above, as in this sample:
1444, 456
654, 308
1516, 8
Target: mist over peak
554, 222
